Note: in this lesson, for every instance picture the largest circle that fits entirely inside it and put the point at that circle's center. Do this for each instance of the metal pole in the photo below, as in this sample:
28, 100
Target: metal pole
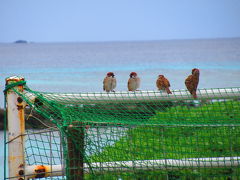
16, 129
76, 151
140, 96
34, 171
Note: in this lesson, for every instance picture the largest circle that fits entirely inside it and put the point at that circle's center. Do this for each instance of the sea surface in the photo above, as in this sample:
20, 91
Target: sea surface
81, 67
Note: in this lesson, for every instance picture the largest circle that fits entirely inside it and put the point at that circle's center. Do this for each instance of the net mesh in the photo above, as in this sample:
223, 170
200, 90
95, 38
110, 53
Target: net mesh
135, 135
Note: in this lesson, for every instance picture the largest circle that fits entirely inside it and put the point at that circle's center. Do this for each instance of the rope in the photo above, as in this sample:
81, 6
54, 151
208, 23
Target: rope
12, 85
123, 135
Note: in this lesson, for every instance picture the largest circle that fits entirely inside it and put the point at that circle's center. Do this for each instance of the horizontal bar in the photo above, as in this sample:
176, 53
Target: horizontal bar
211, 162
41, 171
99, 97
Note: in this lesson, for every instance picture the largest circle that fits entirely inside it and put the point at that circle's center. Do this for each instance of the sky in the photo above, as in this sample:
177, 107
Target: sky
117, 20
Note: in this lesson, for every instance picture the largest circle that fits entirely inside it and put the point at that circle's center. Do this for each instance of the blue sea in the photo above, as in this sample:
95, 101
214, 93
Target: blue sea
81, 67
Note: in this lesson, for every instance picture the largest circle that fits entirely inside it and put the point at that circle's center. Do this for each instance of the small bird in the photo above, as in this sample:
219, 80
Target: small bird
191, 82
109, 82
163, 84
133, 82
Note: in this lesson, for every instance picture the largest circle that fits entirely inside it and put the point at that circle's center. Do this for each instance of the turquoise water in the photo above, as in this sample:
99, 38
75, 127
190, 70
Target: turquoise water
1, 154
81, 67
44, 148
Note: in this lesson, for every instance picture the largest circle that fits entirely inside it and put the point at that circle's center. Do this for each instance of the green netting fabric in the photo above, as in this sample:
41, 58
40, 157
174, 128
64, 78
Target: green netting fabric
137, 135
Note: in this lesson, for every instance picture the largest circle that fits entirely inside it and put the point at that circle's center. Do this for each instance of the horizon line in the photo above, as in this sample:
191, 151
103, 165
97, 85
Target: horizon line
121, 41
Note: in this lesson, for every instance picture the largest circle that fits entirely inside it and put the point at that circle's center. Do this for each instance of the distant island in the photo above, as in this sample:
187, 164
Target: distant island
21, 41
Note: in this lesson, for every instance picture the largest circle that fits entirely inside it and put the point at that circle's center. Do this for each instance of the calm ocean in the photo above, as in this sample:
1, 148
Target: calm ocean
81, 67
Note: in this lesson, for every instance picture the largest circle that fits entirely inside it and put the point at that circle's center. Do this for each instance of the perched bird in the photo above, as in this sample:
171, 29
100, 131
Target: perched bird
163, 84
192, 82
133, 82
109, 82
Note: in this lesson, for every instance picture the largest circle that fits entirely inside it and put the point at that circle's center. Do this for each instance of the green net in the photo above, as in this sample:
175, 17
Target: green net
135, 135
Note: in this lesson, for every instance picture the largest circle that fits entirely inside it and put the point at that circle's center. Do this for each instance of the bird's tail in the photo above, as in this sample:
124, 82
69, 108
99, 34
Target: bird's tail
194, 94
168, 91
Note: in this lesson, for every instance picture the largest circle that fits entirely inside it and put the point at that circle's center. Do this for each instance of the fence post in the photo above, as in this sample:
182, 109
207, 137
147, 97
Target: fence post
16, 130
76, 151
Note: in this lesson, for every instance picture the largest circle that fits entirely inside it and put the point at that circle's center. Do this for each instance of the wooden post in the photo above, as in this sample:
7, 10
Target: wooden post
75, 142
16, 130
